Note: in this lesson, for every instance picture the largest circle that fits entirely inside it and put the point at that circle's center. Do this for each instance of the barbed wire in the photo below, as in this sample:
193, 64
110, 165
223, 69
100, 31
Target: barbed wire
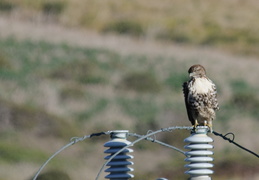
160, 142
233, 142
169, 129
73, 141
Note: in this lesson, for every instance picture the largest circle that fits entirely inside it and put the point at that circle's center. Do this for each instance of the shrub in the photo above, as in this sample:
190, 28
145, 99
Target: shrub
26, 118
4, 62
84, 71
244, 97
125, 27
71, 92
53, 7
141, 82
14, 153
6, 6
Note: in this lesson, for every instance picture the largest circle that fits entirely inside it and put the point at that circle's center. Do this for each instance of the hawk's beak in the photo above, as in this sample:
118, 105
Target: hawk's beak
191, 74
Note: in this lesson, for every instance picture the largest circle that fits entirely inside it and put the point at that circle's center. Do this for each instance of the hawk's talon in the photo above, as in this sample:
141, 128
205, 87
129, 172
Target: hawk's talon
196, 124
210, 128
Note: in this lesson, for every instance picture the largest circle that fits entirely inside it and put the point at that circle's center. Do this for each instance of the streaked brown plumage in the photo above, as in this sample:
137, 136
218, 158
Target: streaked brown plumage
200, 96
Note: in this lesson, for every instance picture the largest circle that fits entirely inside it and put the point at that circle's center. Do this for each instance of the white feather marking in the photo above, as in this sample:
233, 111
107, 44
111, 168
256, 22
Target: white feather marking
202, 85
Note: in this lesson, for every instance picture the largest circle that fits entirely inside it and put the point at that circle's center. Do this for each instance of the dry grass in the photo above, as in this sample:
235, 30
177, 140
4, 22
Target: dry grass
211, 22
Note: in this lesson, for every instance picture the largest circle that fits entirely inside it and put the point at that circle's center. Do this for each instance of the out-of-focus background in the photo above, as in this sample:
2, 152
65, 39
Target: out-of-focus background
75, 67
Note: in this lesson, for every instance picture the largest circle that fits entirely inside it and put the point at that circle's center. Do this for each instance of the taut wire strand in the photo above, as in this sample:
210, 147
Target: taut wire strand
232, 141
61, 149
73, 141
158, 142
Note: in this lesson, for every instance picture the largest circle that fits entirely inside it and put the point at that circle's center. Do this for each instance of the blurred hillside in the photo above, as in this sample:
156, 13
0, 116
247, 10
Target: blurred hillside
72, 68
228, 25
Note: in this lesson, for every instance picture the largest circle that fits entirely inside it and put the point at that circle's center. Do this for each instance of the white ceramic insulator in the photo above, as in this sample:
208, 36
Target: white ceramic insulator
199, 154
119, 164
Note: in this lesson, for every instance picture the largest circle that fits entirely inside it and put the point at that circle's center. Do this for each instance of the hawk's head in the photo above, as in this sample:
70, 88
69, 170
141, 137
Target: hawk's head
197, 70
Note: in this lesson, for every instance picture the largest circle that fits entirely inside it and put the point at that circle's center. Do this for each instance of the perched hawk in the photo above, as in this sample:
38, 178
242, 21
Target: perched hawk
200, 97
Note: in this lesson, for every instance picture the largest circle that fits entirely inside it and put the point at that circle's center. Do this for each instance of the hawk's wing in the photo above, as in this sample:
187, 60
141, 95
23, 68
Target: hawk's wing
188, 108
214, 101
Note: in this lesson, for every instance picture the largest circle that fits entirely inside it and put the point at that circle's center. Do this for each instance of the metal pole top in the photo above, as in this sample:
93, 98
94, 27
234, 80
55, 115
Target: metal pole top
122, 134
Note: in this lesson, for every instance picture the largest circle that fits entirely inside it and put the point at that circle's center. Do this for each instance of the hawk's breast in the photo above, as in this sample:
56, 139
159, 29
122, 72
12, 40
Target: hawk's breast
201, 86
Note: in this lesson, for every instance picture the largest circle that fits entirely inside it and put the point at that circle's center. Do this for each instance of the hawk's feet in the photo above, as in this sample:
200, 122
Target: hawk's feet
210, 128
209, 125
194, 126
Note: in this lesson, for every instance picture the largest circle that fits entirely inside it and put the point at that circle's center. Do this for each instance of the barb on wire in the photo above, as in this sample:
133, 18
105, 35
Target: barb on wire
233, 135
73, 141
154, 136
233, 142
140, 139
158, 142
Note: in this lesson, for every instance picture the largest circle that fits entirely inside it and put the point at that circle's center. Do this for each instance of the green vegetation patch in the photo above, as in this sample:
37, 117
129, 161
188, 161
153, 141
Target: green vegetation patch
85, 72
96, 108
128, 27
4, 62
245, 98
36, 60
175, 80
14, 153
53, 7
140, 82
24, 118
143, 110
72, 92
6, 6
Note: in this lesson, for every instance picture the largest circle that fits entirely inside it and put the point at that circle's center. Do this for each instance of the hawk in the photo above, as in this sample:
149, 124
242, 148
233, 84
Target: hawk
200, 97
